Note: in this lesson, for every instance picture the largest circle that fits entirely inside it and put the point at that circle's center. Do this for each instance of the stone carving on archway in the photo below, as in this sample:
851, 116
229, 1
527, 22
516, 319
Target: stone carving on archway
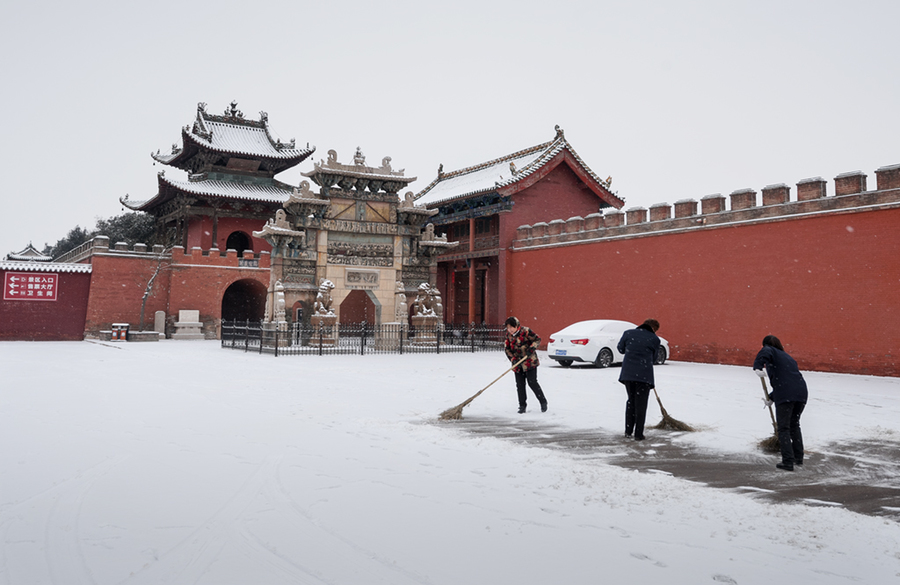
401, 310
280, 316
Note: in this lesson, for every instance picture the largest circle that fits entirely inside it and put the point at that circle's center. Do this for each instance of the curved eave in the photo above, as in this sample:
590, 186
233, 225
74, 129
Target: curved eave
289, 156
191, 145
136, 205
567, 156
480, 167
20, 258
557, 152
168, 190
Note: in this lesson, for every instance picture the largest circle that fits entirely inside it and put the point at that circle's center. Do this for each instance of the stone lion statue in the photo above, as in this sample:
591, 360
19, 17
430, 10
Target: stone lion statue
323, 298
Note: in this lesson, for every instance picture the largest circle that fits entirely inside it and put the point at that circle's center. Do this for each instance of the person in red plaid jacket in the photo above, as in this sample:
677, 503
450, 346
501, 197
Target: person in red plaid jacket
521, 342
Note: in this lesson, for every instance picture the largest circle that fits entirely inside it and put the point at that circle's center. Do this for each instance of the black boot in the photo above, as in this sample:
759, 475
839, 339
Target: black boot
522, 409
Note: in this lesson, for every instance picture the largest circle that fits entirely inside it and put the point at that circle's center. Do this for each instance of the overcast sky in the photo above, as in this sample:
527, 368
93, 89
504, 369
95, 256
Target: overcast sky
674, 100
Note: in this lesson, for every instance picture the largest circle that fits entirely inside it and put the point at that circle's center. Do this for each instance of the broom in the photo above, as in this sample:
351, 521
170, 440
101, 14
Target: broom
669, 423
455, 413
772, 444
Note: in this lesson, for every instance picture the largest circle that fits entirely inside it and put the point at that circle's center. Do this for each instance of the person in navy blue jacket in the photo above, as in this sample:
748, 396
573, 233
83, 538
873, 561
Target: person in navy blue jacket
789, 393
639, 346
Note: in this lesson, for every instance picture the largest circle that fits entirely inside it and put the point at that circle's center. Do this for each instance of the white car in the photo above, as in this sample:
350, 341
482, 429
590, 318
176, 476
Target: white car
595, 342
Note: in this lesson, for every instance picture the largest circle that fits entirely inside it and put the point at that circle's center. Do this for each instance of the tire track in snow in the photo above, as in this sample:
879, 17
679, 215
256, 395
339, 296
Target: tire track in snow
66, 562
351, 552
189, 559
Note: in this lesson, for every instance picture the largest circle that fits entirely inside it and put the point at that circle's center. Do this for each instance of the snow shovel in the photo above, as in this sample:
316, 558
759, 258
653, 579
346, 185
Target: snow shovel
772, 444
455, 413
669, 423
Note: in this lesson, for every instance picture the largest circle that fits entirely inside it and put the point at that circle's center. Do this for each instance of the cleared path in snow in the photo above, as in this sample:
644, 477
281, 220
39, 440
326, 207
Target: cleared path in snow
859, 476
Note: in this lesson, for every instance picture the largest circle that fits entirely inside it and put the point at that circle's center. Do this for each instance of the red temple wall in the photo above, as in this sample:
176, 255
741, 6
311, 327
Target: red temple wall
200, 232
191, 281
118, 282
827, 286
59, 320
559, 194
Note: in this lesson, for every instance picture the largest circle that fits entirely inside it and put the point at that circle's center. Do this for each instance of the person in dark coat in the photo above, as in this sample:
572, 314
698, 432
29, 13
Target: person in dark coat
522, 342
789, 393
639, 346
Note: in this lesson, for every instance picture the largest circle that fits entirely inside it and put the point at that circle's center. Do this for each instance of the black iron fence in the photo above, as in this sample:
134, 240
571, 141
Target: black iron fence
359, 338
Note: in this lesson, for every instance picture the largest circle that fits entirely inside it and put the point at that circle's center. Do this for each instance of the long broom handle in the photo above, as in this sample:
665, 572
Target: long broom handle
477, 394
511, 368
661, 409
766, 394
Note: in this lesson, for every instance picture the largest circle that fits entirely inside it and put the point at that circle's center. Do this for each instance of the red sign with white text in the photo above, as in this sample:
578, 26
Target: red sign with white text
30, 286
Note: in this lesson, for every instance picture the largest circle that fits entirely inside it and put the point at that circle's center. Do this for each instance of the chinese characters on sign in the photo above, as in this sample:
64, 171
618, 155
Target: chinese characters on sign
361, 279
30, 286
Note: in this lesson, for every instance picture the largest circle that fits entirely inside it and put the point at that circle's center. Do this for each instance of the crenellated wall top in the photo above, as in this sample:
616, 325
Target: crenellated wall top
774, 203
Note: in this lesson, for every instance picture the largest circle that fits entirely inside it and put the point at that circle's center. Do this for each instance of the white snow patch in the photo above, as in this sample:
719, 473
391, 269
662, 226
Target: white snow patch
185, 463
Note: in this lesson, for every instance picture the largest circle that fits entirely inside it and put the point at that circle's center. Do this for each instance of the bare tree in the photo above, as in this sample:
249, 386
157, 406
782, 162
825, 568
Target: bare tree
163, 261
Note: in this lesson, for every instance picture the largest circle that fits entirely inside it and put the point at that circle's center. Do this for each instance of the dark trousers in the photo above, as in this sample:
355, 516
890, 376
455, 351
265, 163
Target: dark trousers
789, 437
636, 407
529, 376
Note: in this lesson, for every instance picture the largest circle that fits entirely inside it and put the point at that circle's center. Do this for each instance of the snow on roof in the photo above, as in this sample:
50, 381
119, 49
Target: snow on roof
210, 188
233, 134
231, 190
485, 177
499, 172
247, 140
29, 254
43, 267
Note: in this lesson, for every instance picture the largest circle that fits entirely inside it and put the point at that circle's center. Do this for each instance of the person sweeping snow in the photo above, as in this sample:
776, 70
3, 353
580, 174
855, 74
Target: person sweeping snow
639, 346
789, 393
522, 342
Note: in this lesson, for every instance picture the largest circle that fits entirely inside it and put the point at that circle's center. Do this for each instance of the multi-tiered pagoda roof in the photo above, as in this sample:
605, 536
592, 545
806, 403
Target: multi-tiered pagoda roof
228, 157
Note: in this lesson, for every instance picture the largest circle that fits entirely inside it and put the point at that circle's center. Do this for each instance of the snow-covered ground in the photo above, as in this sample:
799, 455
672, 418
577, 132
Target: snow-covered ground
180, 462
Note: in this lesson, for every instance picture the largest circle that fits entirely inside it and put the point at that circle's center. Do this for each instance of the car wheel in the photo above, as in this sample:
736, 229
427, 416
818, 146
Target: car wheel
565, 363
660, 356
604, 358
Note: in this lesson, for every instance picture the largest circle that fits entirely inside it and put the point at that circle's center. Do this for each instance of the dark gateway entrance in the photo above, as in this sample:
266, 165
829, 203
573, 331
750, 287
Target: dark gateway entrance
243, 300
357, 307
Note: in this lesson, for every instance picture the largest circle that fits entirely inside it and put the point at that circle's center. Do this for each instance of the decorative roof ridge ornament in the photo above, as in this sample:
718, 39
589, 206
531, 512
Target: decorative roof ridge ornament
409, 204
304, 193
560, 133
200, 128
303, 202
279, 145
331, 165
233, 112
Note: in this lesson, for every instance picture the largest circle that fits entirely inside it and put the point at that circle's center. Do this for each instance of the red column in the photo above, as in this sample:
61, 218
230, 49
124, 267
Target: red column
471, 271
487, 295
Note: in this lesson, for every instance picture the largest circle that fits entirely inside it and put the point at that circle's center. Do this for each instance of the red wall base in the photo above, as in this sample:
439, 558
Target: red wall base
827, 286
